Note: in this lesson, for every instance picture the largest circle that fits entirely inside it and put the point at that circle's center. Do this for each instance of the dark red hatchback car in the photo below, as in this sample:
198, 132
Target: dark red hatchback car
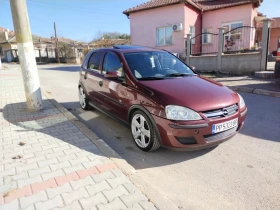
165, 102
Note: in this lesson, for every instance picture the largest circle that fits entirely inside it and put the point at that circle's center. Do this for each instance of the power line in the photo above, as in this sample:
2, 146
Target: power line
76, 9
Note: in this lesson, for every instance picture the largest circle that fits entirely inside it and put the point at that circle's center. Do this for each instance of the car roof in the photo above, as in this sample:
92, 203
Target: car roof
128, 48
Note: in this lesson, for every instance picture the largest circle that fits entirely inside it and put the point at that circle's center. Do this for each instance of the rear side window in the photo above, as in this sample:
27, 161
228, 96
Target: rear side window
94, 61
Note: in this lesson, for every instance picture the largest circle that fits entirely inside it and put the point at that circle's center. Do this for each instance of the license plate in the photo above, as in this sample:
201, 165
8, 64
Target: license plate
217, 128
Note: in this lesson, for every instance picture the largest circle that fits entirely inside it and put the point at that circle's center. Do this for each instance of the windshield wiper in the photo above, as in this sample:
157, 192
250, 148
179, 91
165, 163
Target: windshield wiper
179, 75
151, 78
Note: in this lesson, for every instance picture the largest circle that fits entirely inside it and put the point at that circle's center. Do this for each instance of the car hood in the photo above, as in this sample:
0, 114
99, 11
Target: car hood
195, 92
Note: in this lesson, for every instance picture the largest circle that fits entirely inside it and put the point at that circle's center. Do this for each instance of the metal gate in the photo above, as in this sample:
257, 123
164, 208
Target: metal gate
240, 40
205, 44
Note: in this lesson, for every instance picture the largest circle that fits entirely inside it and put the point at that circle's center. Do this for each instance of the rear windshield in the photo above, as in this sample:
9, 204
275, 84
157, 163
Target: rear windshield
156, 64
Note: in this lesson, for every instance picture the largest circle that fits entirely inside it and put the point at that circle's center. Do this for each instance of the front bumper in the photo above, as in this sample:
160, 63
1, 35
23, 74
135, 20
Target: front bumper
190, 136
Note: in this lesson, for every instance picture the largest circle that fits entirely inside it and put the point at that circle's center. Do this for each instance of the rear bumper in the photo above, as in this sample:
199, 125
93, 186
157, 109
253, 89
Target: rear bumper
187, 136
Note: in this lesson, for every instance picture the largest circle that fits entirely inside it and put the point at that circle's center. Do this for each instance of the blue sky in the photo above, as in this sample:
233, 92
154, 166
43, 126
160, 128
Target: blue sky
83, 19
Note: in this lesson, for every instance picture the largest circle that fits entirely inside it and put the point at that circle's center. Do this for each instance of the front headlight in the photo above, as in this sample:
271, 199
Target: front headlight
241, 102
181, 113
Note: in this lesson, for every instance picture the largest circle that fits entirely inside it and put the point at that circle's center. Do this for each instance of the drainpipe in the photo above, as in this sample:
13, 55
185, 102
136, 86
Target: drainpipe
201, 26
201, 13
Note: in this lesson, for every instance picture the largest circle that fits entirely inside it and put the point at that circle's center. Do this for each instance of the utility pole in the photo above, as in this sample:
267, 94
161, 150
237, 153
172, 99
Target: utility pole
26, 55
56, 43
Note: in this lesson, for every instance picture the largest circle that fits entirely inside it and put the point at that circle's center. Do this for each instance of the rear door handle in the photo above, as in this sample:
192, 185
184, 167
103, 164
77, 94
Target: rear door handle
85, 76
100, 83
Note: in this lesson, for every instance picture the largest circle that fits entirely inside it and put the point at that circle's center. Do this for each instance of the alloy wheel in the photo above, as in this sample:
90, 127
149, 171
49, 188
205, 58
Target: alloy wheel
140, 130
82, 98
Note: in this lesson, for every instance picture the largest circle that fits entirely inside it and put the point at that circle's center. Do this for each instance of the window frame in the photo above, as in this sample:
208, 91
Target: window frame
192, 33
230, 28
95, 70
157, 32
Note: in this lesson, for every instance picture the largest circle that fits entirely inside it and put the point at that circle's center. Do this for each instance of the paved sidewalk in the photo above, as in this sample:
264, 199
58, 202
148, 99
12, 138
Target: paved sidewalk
46, 162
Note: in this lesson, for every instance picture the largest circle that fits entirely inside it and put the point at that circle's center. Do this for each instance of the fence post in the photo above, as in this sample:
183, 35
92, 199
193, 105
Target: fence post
220, 48
265, 42
188, 48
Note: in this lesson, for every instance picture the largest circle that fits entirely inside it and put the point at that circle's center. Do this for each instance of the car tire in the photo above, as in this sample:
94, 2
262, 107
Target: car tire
143, 132
83, 98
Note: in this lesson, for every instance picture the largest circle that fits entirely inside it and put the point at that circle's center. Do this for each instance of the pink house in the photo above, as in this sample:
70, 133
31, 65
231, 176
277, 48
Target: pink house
164, 24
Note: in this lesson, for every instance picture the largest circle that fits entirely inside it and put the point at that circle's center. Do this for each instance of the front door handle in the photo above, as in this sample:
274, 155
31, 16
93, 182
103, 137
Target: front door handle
85, 76
100, 83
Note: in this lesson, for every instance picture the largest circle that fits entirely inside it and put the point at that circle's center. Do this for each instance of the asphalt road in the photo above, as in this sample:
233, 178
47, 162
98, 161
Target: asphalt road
243, 173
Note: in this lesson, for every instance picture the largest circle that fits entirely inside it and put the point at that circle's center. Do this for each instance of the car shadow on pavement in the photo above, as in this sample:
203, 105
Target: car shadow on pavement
62, 68
46, 125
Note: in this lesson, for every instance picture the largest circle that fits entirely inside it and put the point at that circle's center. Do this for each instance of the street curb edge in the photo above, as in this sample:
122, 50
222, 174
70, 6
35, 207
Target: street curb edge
256, 91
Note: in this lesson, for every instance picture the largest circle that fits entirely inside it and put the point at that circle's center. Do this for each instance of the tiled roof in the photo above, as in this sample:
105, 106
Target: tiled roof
2, 29
275, 23
205, 5
11, 35
156, 3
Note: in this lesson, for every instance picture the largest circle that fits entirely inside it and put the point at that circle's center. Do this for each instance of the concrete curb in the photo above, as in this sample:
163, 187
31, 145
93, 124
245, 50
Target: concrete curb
256, 91
156, 197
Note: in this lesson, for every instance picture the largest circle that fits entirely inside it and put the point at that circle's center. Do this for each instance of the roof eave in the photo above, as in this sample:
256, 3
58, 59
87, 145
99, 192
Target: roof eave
11, 40
127, 13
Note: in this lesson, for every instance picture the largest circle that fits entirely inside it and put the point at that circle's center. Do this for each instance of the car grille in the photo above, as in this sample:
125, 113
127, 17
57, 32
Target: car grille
219, 136
224, 112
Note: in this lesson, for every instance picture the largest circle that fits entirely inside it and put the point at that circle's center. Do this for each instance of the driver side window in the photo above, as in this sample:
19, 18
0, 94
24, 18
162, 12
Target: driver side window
112, 64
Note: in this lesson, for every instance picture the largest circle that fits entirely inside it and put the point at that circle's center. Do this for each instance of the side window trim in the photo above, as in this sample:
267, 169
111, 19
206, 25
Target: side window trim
103, 62
94, 70
85, 63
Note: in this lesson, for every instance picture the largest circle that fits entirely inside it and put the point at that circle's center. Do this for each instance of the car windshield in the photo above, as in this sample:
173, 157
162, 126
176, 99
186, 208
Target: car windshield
153, 65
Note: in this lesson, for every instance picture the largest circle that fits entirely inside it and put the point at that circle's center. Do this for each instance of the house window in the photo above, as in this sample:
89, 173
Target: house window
233, 34
206, 38
192, 32
164, 36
